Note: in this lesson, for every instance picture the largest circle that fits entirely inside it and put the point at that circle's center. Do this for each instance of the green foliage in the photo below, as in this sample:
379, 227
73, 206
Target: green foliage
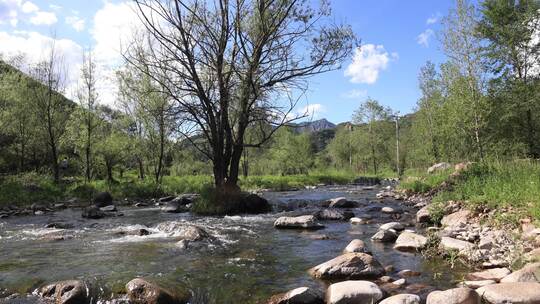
419, 181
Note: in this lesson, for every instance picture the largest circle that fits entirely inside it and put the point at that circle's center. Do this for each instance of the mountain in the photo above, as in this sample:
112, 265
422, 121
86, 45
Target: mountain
313, 126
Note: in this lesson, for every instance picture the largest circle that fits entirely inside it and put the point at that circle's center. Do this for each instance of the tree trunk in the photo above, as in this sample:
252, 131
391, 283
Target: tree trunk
87, 155
141, 167
530, 135
109, 172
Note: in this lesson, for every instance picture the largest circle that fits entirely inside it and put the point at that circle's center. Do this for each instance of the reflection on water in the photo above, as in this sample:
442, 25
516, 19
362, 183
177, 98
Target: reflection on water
245, 261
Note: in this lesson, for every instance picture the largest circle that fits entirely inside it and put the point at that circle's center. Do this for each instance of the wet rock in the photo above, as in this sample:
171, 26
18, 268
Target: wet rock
349, 266
341, 202
137, 232
65, 292
109, 208
423, 215
516, 293
385, 279
439, 167
397, 226
454, 296
385, 236
356, 245
174, 206
301, 295
399, 282
103, 199
357, 221
495, 274
333, 215
409, 241
477, 284
140, 291
92, 212
463, 247
319, 237
456, 218
353, 292
183, 231
390, 210
39, 212
166, 199
59, 225
402, 299
406, 273
529, 273
298, 222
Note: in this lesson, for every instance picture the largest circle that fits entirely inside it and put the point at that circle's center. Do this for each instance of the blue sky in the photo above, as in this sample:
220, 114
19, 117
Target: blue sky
386, 67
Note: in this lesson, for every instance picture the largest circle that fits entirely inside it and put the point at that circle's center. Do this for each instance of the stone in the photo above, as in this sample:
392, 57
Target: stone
439, 167
477, 284
141, 291
409, 241
397, 226
254, 204
461, 295
495, 274
341, 202
301, 295
356, 245
174, 206
388, 210
298, 222
515, 293
353, 292
423, 215
65, 292
400, 282
385, 236
183, 231
333, 215
109, 208
456, 219
357, 221
529, 273
103, 199
92, 212
349, 266
402, 299
406, 273
448, 243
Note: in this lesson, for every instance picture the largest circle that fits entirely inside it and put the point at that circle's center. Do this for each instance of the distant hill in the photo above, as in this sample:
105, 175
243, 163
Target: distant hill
313, 126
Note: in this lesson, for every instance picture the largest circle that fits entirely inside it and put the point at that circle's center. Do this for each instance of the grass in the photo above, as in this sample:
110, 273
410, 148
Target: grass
419, 181
31, 188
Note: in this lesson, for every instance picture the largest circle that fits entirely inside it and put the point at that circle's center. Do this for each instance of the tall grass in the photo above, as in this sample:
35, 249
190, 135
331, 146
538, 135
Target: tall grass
419, 181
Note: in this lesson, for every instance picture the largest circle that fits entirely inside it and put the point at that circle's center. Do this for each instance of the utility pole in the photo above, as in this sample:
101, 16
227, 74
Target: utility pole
397, 145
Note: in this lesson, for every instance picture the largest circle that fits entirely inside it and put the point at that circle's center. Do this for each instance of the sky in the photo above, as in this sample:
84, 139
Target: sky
397, 38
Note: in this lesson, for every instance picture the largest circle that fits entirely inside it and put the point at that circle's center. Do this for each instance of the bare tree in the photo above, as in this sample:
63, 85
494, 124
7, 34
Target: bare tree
230, 65
52, 108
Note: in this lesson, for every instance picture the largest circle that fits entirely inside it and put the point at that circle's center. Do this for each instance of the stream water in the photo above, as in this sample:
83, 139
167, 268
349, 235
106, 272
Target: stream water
247, 260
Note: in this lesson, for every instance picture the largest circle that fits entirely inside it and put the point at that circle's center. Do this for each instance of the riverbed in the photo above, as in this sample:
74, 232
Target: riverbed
245, 260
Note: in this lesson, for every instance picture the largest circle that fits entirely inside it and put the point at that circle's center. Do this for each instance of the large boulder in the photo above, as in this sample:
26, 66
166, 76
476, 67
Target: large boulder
140, 291
65, 292
183, 231
341, 202
397, 226
356, 245
254, 204
495, 274
439, 167
92, 212
349, 266
529, 273
297, 222
453, 296
301, 295
333, 215
409, 241
463, 247
385, 236
456, 219
402, 299
515, 293
103, 199
175, 206
353, 292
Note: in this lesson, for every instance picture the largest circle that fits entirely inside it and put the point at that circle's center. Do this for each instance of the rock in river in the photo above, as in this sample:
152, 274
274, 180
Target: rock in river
397, 226
349, 266
516, 293
402, 299
183, 231
333, 215
92, 212
356, 245
454, 296
384, 236
301, 295
140, 291
65, 292
298, 222
409, 241
353, 292
341, 202
103, 199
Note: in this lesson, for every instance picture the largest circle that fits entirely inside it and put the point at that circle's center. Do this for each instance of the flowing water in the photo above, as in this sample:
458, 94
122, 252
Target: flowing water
246, 260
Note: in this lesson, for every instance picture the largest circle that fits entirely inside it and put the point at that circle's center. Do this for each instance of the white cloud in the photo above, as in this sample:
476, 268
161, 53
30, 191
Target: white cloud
368, 61
355, 94
423, 38
314, 110
8, 12
433, 19
55, 7
76, 22
29, 7
43, 18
